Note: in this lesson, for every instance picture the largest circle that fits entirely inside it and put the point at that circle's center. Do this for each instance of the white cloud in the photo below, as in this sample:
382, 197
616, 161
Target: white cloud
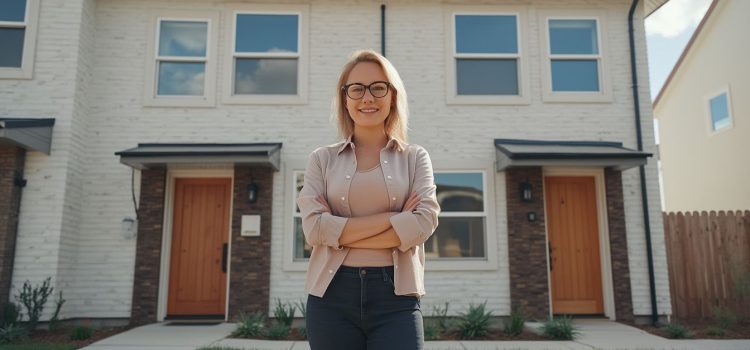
675, 17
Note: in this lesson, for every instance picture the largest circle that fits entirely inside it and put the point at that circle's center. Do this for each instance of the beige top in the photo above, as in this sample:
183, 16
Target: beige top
406, 168
368, 196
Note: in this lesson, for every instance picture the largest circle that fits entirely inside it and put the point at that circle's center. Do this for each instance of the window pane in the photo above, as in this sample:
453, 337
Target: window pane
181, 78
266, 33
11, 42
573, 36
487, 77
299, 182
12, 10
457, 237
719, 112
180, 38
486, 34
460, 191
265, 76
301, 249
575, 75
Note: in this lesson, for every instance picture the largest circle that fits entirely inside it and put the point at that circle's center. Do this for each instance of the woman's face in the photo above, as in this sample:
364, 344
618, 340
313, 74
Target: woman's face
369, 111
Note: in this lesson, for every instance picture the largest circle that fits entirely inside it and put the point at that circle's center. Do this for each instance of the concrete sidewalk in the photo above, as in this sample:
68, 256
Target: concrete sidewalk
595, 334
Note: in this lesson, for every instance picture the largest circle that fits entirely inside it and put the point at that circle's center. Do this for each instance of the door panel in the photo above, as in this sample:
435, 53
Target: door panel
200, 227
573, 231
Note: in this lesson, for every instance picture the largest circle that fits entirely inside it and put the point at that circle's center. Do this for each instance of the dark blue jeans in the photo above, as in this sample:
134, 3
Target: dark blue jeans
360, 311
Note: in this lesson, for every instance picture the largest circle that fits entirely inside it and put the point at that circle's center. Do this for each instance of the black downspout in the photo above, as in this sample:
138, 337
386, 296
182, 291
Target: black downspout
382, 30
642, 169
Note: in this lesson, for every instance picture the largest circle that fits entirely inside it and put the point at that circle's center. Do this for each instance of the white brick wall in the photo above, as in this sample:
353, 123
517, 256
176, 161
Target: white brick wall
77, 197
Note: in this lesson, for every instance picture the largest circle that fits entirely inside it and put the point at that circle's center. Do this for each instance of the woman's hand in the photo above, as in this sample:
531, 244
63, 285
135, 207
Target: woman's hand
411, 202
323, 201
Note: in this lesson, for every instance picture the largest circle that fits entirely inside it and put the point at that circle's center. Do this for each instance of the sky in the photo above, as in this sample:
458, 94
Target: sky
667, 32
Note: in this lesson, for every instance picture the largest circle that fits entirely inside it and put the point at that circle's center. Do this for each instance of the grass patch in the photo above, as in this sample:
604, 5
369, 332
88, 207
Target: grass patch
39, 346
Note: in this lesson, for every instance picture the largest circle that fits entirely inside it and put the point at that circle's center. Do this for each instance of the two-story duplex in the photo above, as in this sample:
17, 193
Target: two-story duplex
152, 150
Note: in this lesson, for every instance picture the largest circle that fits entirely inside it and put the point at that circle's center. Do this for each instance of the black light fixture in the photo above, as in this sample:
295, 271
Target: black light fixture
525, 190
252, 192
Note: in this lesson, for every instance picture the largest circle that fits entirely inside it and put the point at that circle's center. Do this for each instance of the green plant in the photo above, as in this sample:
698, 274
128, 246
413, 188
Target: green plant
724, 318
475, 323
283, 314
11, 314
33, 299
715, 331
440, 315
514, 325
560, 328
302, 306
12, 332
278, 331
302, 331
431, 331
252, 325
677, 331
81, 333
54, 322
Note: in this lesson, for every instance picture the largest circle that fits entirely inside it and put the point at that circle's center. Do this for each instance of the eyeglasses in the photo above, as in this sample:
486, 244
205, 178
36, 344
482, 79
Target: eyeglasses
356, 91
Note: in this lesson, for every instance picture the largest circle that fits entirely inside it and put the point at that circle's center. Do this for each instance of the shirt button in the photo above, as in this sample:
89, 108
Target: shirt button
395, 267
343, 199
330, 271
348, 177
385, 161
394, 198
388, 176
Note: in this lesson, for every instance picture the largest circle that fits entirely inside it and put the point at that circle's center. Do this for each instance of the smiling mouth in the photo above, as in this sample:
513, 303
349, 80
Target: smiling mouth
369, 110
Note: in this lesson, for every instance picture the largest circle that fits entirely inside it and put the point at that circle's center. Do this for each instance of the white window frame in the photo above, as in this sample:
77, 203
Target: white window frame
208, 99
489, 261
605, 91
710, 124
30, 25
452, 96
302, 11
293, 166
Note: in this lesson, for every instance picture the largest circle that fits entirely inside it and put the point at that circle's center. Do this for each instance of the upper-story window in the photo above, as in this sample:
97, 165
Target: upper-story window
268, 55
18, 20
574, 68
182, 63
486, 64
720, 111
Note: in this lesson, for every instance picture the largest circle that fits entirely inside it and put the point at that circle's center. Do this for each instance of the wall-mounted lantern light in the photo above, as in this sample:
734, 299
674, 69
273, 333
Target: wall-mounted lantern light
525, 190
252, 192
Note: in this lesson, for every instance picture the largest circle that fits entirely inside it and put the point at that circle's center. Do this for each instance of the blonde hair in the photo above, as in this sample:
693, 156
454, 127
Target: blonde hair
397, 121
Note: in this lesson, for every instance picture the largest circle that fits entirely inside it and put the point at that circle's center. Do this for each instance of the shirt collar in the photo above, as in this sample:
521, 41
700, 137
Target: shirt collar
393, 143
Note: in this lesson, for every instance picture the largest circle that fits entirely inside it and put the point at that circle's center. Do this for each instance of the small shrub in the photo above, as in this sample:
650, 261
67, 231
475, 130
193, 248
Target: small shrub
514, 325
440, 316
12, 332
715, 331
560, 328
475, 323
724, 318
11, 314
677, 331
33, 299
302, 306
278, 331
302, 332
283, 314
54, 322
81, 333
250, 326
431, 331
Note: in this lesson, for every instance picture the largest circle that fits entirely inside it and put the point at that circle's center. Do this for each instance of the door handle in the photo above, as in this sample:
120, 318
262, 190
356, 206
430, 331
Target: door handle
549, 247
224, 252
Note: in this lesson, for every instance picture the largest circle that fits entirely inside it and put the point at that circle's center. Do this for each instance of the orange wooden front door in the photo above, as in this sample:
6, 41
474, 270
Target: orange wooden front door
200, 226
573, 230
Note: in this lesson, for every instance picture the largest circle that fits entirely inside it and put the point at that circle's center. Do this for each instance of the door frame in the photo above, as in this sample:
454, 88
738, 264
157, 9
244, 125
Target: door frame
604, 248
166, 242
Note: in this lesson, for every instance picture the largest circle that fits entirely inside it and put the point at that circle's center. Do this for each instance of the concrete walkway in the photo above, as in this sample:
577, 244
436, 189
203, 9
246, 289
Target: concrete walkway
595, 334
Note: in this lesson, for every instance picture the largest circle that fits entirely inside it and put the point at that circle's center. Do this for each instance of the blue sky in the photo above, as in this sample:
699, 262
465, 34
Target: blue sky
667, 32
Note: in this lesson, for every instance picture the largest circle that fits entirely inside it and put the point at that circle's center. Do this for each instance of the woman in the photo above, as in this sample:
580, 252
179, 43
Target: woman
368, 205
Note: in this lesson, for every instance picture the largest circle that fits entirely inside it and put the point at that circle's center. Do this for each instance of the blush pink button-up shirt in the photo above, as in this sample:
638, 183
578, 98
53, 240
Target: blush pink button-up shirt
407, 168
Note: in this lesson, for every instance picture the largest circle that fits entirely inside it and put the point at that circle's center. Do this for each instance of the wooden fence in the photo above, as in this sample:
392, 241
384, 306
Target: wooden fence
708, 255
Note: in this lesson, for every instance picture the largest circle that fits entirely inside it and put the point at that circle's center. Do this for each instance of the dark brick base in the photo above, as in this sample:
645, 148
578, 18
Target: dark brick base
250, 276
12, 161
527, 247
618, 245
148, 247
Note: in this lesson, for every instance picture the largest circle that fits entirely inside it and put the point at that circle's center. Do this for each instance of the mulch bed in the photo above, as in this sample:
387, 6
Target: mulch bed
700, 328
62, 336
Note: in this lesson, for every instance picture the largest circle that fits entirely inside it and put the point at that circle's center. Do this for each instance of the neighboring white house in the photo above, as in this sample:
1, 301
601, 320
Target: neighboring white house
703, 113
202, 115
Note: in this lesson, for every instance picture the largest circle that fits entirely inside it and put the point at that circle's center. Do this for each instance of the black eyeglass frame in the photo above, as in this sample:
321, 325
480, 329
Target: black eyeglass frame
388, 85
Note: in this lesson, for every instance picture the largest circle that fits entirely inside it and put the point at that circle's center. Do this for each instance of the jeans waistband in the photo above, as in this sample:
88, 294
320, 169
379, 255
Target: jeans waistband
365, 271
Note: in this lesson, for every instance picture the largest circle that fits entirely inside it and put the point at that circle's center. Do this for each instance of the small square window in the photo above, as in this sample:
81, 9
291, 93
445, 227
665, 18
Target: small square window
720, 114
